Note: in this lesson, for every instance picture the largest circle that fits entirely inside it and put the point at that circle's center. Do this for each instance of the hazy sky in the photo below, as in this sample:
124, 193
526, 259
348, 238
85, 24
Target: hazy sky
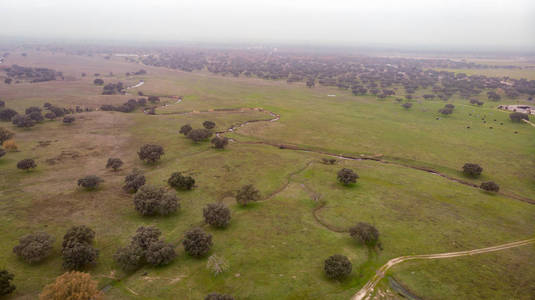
449, 23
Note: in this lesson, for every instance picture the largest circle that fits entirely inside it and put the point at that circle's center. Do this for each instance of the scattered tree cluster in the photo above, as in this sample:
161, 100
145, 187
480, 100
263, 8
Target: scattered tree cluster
32, 75
128, 106
198, 135
113, 89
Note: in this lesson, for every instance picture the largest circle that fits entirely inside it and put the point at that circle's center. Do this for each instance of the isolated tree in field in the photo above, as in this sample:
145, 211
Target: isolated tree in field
471, 169
7, 114
150, 153
216, 214
34, 247
407, 105
160, 253
215, 296
446, 111
133, 181
197, 243
246, 194
150, 200
6, 287
220, 142
347, 176
337, 267
217, 265
68, 120
89, 182
518, 117
50, 115
72, 286
26, 164
490, 186
98, 81
23, 121
32, 109
114, 163
364, 233
208, 124
198, 135
5, 135
185, 129
181, 182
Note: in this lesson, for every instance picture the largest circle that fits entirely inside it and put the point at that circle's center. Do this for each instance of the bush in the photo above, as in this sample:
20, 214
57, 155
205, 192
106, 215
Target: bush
68, 119
72, 286
150, 201
23, 121
36, 117
98, 81
220, 142
364, 233
133, 181
198, 135
208, 124
473, 170
77, 255
7, 114
145, 236
26, 164
81, 234
6, 287
59, 112
50, 115
185, 129
215, 296
337, 267
216, 214
217, 265
446, 111
34, 247
347, 176
181, 182
5, 135
160, 253
490, 186
407, 105
197, 243
247, 193
32, 109
114, 163
10, 145
150, 153
518, 116
89, 182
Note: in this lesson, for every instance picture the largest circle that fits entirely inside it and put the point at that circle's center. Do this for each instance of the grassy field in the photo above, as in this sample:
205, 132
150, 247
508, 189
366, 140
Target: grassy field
275, 247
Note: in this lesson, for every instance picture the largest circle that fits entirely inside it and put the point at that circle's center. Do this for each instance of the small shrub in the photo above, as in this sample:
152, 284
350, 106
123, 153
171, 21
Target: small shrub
34, 247
133, 181
198, 135
247, 193
181, 182
217, 265
446, 111
6, 287
215, 296
5, 135
364, 233
150, 153
114, 163
160, 253
217, 215
328, 161
150, 201
68, 120
10, 145
407, 105
98, 81
72, 286
337, 267
197, 243
473, 170
26, 164
89, 182
208, 124
347, 176
220, 142
490, 186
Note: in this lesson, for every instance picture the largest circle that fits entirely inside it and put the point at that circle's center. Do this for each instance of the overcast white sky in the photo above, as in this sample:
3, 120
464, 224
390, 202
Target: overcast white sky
449, 23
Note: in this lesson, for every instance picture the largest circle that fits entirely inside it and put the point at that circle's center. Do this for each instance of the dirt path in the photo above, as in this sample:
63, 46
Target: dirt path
366, 291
